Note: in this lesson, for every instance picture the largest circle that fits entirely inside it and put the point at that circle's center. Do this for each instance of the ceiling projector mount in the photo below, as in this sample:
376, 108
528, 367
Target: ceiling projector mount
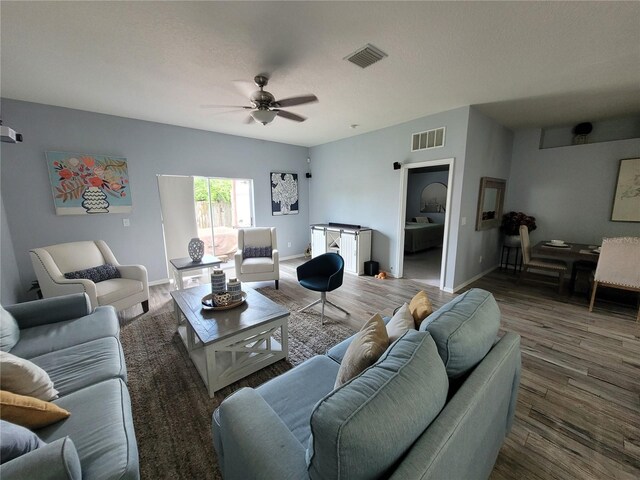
264, 106
9, 135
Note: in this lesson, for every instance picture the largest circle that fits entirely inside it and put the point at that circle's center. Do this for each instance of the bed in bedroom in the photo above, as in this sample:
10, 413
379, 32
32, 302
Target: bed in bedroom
420, 236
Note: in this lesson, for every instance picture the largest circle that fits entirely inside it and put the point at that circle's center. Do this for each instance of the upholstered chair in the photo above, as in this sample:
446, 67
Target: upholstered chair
51, 263
257, 258
618, 266
533, 263
323, 274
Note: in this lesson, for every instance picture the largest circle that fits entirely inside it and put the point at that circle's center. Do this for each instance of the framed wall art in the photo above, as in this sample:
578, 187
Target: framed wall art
284, 193
84, 184
626, 200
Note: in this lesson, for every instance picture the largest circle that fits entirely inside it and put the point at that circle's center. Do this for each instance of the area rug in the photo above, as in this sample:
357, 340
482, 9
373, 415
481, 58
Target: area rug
171, 408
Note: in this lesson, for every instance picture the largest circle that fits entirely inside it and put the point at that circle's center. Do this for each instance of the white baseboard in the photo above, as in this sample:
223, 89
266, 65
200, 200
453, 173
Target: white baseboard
159, 282
471, 280
292, 256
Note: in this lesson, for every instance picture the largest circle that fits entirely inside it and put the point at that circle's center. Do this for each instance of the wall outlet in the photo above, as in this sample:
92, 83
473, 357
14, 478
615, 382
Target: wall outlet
480, 259
125, 222
289, 244
463, 221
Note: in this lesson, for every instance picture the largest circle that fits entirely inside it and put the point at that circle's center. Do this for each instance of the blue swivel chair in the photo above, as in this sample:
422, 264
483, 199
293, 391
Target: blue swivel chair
322, 274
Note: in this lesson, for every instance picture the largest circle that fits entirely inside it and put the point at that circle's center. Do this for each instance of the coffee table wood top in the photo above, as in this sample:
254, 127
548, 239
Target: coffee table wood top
211, 325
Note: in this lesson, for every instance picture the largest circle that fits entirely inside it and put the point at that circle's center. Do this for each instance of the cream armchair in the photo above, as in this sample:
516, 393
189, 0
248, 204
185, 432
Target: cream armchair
52, 262
257, 268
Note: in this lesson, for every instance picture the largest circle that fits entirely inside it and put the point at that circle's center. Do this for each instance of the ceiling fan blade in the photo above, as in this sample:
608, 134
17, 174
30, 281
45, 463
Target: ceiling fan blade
293, 101
290, 116
224, 106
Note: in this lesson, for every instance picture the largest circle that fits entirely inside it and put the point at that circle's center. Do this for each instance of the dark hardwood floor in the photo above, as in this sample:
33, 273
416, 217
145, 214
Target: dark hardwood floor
578, 413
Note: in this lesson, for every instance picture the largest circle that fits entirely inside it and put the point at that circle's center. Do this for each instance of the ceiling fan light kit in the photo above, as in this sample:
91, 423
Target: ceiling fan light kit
264, 116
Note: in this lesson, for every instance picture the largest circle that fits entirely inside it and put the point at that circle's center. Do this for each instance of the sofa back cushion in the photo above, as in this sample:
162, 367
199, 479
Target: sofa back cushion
73, 256
360, 430
255, 237
464, 330
9, 331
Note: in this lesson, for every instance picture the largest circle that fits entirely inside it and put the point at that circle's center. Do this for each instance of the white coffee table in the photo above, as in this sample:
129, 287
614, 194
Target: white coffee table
226, 346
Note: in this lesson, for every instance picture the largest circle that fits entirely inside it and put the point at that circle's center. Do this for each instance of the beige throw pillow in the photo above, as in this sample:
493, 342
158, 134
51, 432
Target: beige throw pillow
9, 331
366, 347
401, 322
420, 307
23, 377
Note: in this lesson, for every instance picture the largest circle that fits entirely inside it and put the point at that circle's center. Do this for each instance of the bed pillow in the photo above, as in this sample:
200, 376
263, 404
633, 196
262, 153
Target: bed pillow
18, 375
423, 220
256, 252
9, 331
15, 441
28, 411
365, 349
95, 274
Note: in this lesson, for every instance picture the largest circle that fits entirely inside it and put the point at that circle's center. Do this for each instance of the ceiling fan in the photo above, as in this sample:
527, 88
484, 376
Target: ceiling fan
264, 106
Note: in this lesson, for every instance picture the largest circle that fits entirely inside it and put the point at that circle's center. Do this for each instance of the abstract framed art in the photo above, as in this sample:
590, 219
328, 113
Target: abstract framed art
626, 200
84, 184
284, 193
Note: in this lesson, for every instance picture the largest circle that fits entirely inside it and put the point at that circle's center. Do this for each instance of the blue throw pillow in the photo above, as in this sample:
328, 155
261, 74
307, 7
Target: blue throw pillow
256, 252
16, 441
95, 274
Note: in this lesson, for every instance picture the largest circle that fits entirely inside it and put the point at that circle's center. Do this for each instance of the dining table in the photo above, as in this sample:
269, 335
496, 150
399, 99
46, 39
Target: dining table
583, 257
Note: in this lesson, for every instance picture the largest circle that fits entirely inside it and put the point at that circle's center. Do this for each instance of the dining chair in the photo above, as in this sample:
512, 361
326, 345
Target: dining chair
534, 263
322, 274
618, 266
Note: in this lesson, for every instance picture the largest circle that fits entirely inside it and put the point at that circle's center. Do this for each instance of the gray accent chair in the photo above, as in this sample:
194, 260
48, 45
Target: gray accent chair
438, 404
81, 351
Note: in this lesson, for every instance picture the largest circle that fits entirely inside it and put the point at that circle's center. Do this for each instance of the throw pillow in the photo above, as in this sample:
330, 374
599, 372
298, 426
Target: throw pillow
16, 441
420, 307
9, 331
401, 322
28, 411
18, 375
255, 252
422, 220
95, 274
367, 347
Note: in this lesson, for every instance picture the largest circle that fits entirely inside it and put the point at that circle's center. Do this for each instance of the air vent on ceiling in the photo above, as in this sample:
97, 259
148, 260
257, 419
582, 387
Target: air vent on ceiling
365, 56
429, 139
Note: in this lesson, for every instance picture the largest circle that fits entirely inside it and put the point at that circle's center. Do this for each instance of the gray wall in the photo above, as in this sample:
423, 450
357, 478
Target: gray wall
603, 131
415, 185
568, 189
489, 149
151, 149
9, 276
354, 181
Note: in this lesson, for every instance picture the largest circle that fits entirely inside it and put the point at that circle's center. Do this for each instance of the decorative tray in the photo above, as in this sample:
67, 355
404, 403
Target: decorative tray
208, 304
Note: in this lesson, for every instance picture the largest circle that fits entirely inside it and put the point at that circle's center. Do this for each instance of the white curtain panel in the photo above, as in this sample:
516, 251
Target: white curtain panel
178, 215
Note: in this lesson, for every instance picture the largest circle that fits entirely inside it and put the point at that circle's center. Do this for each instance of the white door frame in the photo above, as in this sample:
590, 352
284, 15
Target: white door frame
404, 175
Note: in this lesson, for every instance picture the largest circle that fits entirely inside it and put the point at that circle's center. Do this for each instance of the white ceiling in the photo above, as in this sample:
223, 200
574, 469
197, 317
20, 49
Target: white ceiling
523, 63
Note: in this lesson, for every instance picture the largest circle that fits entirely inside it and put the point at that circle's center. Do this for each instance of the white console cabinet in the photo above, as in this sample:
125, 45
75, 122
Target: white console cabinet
352, 243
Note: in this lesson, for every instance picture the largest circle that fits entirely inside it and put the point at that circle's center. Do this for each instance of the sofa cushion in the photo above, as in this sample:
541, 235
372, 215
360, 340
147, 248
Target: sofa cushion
257, 265
110, 291
363, 428
15, 441
367, 347
36, 341
420, 307
401, 322
101, 428
28, 411
85, 364
95, 274
9, 331
19, 375
464, 330
293, 394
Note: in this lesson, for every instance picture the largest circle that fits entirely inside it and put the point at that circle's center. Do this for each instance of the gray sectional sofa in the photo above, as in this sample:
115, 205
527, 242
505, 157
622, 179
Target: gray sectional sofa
437, 405
81, 352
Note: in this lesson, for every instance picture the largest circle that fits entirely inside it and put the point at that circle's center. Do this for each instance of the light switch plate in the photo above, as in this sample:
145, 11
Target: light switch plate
125, 222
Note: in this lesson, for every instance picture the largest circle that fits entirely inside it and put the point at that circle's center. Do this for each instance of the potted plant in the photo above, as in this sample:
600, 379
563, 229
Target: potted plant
511, 226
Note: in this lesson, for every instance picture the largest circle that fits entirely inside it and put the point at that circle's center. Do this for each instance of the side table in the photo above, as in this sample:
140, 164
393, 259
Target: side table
504, 263
182, 265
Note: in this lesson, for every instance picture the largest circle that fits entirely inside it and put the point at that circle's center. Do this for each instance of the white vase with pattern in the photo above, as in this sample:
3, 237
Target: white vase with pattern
196, 249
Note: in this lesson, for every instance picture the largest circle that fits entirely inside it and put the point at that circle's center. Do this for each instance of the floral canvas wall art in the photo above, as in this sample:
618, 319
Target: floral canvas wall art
626, 200
88, 184
284, 193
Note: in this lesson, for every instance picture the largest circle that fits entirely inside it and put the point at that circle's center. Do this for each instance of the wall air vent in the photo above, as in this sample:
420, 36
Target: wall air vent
365, 56
429, 139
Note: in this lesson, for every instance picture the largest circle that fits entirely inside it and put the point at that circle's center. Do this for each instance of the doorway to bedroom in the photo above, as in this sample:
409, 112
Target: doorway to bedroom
425, 221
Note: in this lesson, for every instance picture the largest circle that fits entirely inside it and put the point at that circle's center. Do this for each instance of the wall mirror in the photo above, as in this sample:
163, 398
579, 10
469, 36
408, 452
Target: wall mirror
490, 203
434, 198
